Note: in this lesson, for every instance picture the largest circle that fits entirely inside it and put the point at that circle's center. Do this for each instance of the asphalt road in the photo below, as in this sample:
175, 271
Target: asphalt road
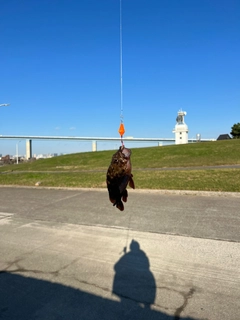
69, 254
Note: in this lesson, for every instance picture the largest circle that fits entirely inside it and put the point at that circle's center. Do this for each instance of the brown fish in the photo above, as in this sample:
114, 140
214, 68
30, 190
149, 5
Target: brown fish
119, 176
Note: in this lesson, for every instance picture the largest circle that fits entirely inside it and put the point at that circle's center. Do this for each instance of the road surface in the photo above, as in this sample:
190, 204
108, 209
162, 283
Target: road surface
69, 254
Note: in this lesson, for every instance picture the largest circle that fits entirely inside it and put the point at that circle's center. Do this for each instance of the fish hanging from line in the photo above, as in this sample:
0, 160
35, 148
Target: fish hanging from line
119, 175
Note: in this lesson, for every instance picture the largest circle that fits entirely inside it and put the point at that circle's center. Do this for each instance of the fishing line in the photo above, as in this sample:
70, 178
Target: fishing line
121, 128
121, 72
128, 229
125, 251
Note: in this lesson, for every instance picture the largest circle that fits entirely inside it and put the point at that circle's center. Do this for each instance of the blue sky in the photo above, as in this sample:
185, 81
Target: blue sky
60, 69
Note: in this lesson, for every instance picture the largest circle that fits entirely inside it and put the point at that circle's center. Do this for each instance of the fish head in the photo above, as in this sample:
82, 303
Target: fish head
126, 152
121, 163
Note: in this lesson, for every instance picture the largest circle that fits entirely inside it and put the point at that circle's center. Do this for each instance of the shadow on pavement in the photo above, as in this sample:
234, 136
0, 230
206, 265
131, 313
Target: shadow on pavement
23, 298
27, 298
133, 279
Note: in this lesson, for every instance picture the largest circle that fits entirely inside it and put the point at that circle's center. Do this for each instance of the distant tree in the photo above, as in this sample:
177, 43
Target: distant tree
235, 131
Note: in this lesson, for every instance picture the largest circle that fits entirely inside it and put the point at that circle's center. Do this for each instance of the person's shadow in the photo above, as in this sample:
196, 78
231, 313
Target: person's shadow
133, 281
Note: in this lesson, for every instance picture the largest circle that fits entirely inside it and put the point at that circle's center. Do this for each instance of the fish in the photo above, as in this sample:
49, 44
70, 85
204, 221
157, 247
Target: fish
119, 176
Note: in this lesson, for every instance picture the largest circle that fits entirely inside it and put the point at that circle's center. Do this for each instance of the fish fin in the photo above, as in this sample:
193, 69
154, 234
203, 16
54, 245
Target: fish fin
112, 200
131, 182
124, 195
123, 184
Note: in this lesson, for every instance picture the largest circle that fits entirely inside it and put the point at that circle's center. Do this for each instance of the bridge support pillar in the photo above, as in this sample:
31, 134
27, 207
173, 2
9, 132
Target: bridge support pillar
94, 145
28, 149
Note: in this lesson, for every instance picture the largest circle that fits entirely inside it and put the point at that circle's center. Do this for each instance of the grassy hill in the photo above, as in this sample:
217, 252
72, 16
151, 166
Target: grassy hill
89, 169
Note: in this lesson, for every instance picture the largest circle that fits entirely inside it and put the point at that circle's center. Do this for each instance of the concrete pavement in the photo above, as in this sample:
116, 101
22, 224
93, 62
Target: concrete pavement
68, 254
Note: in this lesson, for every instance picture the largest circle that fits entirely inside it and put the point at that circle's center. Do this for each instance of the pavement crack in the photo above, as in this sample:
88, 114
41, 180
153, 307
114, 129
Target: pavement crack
20, 269
92, 284
186, 297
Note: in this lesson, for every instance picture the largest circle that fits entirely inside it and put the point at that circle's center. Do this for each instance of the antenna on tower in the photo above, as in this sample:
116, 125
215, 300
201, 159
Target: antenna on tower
181, 129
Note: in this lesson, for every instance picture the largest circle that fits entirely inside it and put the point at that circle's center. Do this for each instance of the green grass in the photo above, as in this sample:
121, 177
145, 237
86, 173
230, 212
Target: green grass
89, 169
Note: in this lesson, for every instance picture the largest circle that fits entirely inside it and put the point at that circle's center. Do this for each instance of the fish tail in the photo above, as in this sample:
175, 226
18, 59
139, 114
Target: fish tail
120, 206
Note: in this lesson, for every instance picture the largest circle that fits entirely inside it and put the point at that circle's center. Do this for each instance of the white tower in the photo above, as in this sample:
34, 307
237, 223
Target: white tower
181, 129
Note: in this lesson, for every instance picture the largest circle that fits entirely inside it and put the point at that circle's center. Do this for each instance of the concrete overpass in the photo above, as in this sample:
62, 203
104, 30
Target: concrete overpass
94, 140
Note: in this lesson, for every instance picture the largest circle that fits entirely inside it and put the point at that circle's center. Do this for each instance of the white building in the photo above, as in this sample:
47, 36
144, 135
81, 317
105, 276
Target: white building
181, 129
